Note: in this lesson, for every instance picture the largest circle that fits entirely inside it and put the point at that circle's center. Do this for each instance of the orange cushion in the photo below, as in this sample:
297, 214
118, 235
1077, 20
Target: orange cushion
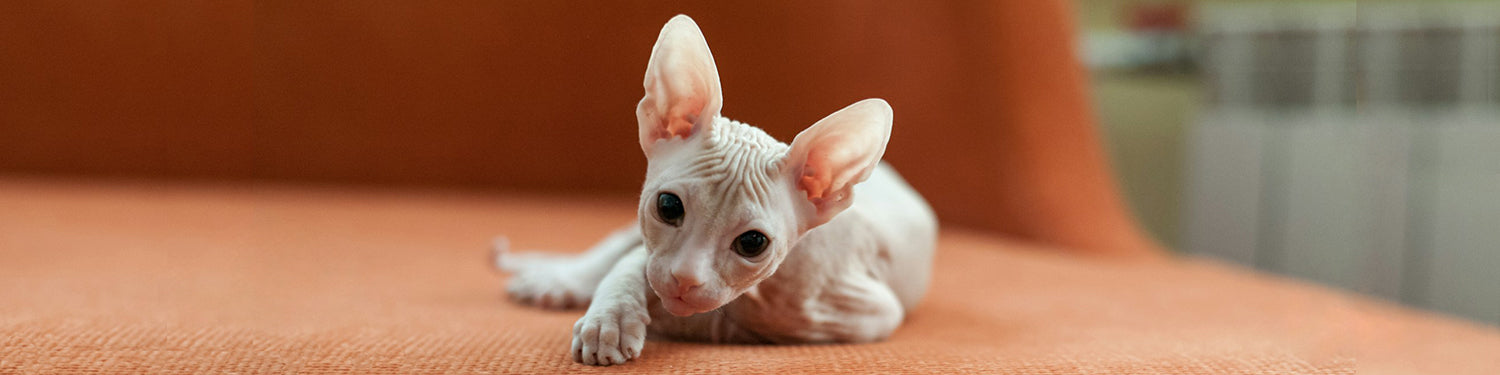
155, 278
541, 95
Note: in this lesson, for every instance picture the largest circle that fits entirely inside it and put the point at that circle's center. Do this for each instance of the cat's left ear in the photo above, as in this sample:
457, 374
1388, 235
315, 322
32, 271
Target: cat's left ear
829, 158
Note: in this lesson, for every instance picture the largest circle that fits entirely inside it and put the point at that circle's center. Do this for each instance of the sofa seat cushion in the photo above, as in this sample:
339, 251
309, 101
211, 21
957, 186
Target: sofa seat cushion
159, 278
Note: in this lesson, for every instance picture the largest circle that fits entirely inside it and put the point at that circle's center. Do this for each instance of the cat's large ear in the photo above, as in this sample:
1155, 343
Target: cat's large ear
829, 158
682, 86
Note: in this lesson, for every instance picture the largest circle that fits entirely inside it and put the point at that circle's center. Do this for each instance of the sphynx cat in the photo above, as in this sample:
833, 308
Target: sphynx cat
740, 238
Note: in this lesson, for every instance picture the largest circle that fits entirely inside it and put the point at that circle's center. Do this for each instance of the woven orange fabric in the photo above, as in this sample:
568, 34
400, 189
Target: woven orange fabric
992, 119
169, 279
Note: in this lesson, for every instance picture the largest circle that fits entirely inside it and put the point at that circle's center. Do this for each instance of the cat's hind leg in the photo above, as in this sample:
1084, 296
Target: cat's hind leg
561, 281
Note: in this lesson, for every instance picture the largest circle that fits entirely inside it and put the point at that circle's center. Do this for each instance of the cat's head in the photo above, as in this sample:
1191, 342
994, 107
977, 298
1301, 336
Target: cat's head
723, 202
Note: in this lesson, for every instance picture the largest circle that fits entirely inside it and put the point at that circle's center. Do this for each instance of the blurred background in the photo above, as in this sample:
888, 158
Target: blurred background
1355, 144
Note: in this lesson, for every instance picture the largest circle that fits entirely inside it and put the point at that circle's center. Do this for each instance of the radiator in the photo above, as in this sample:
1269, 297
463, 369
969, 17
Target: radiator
1356, 146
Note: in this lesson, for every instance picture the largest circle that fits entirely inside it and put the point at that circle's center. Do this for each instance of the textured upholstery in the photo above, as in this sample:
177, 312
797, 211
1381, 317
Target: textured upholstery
992, 120
150, 278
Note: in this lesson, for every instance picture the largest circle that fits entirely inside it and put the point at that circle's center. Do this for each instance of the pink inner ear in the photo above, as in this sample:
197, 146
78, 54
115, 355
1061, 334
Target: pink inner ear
680, 118
815, 177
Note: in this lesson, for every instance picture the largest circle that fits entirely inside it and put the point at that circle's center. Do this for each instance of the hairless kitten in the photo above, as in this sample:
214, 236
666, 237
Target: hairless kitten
740, 238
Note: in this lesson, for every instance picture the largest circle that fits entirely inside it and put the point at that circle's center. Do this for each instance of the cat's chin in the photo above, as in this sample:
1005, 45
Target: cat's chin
679, 307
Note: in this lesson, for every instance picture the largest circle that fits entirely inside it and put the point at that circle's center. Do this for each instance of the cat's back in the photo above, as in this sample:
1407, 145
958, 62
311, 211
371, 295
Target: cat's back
905, 229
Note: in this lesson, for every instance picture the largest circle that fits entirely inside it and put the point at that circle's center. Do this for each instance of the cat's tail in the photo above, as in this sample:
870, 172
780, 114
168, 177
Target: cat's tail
500, 256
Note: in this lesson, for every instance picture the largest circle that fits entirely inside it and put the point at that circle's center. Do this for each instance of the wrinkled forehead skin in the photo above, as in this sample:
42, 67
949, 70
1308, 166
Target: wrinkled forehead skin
732, 163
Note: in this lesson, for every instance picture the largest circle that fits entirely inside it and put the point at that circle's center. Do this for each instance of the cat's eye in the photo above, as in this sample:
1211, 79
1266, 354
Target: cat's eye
750, 244
669, 209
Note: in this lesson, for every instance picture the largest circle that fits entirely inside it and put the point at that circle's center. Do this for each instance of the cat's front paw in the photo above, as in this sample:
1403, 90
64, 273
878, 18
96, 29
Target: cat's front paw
543, 280
610, 336
549, 287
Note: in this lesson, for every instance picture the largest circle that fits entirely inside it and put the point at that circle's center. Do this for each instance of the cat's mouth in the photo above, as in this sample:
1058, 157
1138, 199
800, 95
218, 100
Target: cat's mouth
688, 305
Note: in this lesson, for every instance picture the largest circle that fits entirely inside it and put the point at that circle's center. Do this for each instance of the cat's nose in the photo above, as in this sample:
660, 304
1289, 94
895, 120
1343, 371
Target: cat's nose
685, 282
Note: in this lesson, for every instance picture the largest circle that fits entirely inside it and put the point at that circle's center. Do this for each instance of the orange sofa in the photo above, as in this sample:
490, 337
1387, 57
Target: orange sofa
307, 187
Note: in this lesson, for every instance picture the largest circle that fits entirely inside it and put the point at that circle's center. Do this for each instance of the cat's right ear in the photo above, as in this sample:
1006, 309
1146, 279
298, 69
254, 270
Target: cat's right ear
839, 151
682, 86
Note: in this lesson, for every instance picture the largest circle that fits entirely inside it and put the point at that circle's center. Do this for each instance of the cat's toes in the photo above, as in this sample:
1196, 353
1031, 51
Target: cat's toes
548, 289
538, 279
604, 339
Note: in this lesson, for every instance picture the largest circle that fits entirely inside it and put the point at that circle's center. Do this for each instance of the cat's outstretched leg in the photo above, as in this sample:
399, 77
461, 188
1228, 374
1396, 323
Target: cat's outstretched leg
561, 281
614, 329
